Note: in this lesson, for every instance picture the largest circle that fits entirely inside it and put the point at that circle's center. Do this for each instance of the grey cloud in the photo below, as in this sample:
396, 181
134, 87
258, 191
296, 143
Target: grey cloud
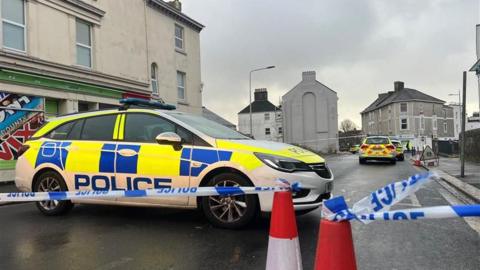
358, 48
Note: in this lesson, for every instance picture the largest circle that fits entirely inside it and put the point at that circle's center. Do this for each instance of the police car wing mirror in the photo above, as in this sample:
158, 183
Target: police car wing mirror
168, 138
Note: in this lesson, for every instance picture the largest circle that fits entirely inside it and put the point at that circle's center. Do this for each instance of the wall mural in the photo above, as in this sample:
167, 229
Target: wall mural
20, 117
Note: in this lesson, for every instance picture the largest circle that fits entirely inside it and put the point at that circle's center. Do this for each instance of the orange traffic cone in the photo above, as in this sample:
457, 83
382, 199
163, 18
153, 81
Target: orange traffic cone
283, 245
335, 246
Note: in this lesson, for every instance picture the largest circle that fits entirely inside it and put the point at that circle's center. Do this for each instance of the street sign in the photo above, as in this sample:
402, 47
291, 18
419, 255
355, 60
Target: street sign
429, 155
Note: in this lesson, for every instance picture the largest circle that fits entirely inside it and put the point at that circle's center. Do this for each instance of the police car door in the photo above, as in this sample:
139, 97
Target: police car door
150, 165
90, 161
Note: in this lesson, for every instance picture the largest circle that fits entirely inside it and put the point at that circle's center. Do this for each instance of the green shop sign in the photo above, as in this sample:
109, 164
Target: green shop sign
53, 83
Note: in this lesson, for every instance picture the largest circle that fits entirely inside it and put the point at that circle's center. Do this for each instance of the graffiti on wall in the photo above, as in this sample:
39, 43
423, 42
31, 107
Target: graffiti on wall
20, 117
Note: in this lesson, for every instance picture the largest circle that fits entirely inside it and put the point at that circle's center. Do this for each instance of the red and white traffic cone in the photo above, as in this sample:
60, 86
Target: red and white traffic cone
283, 245
335, 246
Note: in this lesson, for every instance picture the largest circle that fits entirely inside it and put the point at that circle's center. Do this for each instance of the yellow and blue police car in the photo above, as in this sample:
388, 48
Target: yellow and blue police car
143, 146
378, 148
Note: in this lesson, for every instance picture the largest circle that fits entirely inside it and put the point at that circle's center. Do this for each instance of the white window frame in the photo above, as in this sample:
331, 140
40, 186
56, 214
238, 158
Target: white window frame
154, 78
24, 26
182, 39
422, 122
90, 28
280, 130
406, 105
266, 116
269, 131
401, 128
434, 124
184, 75
445, 127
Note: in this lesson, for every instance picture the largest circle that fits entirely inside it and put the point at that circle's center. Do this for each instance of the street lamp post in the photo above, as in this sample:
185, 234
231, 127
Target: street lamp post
250, 92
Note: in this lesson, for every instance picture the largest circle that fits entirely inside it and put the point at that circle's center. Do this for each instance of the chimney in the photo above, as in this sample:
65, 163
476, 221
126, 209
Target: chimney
398, 86
261, 94
309, 76
176, 4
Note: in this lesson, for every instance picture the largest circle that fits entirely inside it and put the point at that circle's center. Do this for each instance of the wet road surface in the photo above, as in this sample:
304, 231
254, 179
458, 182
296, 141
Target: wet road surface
108, 237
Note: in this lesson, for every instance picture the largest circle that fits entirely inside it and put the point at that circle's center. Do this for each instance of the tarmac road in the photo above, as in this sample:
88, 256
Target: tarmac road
106, 237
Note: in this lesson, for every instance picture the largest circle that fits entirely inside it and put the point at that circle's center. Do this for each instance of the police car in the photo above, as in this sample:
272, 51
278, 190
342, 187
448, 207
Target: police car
143, 146
378, 148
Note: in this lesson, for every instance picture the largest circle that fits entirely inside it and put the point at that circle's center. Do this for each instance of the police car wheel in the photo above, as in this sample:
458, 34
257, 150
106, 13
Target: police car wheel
231, 212
52, 181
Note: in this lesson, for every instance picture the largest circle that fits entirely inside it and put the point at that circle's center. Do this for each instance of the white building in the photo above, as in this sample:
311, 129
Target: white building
473, 122
457, 119
266, 118
310, 116
79, 55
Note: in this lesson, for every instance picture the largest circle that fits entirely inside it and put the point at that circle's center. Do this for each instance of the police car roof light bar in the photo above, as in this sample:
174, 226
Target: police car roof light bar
127, 102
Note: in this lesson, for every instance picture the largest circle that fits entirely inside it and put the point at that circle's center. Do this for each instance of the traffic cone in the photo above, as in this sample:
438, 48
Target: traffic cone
283, 245
335, 246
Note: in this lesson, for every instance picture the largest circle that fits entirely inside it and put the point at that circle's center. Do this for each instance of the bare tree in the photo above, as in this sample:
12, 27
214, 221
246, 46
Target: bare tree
347, 125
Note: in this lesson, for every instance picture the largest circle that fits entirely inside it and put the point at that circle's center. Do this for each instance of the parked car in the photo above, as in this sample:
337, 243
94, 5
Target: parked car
144, 148
399, 149
354, 148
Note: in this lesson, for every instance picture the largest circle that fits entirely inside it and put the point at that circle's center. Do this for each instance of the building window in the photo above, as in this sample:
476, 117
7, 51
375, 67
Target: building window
154, 78
84, 44
444, 113
267, 131
422, 122
403, 107
434, 122
445, 127
267, 116
280, 130
13, 24
403, 123
421, 108
179, 37
181, 85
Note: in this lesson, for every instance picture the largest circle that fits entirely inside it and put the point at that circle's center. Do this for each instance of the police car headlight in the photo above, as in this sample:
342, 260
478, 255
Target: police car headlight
283, 164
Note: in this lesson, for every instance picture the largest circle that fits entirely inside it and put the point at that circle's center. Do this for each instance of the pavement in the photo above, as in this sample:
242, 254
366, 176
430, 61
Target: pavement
110, 237
452, 167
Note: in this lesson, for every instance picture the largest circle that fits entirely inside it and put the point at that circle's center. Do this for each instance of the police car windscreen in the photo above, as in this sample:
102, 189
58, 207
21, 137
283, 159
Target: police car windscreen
208, 127
377, 140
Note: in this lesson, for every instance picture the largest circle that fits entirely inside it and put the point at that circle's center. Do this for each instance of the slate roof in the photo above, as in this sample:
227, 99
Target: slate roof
216, 118
260, 106
405, 94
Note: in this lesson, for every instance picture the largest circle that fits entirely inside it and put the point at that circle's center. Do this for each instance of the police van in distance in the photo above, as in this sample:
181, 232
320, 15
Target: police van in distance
148, 145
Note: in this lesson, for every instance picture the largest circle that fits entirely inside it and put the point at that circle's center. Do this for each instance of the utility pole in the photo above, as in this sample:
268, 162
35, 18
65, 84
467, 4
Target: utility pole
462, 146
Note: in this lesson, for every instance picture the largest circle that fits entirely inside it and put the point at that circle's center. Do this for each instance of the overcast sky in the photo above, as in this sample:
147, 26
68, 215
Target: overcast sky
358, 48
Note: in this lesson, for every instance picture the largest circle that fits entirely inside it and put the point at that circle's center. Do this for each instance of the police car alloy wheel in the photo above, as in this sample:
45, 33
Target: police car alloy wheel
230, 212
52, 181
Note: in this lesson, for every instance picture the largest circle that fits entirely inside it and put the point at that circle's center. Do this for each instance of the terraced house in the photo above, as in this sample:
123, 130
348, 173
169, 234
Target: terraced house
410, 115
79, 55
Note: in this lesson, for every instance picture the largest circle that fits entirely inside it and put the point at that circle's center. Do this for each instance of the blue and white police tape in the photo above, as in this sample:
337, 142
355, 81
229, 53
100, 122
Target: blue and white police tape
162, 192
376, 205
425, 213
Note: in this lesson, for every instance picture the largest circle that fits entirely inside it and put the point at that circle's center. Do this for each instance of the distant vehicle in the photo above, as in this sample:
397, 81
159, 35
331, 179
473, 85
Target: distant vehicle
399, 148
354, 149
377, 148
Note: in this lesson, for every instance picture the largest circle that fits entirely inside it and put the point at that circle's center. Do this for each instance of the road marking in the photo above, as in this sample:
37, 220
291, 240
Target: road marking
473, 222
414, 202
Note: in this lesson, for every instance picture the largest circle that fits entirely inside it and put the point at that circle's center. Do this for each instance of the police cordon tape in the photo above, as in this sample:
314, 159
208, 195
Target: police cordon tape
376, 206
162, 192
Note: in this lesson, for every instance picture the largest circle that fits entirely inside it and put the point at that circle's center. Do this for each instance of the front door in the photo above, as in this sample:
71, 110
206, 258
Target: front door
142, 163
